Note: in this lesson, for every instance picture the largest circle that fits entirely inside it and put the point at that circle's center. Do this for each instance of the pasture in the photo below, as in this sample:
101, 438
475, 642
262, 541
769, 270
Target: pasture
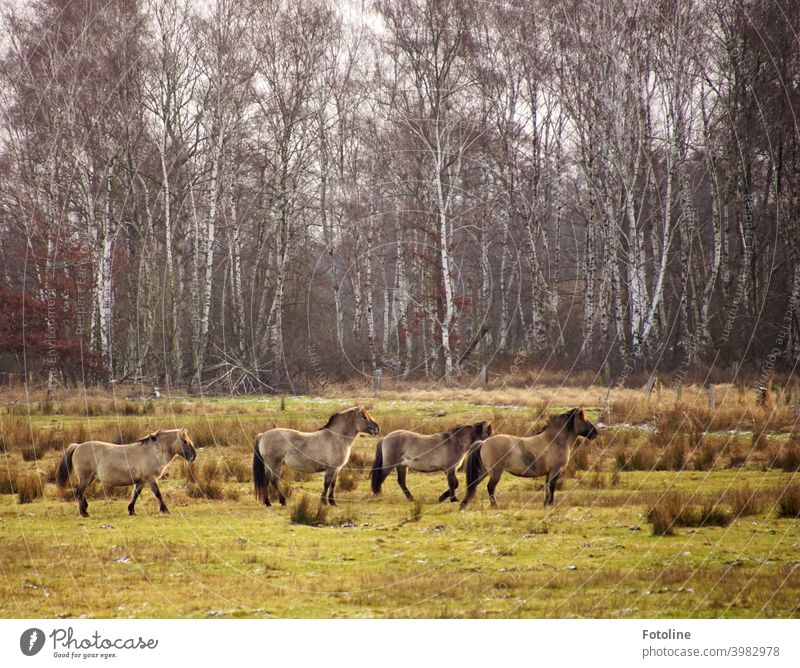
722, 482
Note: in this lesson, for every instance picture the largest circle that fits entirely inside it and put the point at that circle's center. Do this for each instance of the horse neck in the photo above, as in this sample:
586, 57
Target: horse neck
458, 440
344, 434
165, 452
560, 437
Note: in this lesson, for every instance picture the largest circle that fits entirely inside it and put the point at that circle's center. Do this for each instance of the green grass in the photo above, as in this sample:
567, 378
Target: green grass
591, 555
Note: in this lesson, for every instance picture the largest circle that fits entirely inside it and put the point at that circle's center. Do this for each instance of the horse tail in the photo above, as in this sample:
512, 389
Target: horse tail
65, 467
378, 474
475, 469
260, 482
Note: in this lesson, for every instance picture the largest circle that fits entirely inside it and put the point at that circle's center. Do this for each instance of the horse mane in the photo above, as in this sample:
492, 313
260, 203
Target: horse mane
146, 437
332, 419
560, 420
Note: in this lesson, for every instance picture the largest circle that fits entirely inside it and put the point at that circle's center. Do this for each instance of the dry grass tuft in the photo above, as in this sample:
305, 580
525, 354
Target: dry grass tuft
789, 502
640, 458
237, 469
309, 513
675, 510
206, 482
28, 487
346, 481
744, 502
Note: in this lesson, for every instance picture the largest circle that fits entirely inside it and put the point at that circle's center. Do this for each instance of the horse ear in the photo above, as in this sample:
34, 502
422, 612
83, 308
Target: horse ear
571, 420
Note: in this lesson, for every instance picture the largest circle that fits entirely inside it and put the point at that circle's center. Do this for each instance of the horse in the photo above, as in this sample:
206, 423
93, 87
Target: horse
543, 454
403, 450
326, 449
131, 464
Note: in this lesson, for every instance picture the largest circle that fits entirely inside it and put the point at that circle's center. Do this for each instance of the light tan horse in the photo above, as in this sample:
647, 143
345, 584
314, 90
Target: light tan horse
326, 449
546, 453
132, 464
403, 450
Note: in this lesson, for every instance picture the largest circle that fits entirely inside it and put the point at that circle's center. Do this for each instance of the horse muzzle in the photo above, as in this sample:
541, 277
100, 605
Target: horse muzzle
593, 433
374, 430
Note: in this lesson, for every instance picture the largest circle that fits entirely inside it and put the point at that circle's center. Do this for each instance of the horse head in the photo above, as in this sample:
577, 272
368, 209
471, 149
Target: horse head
365, 424
482, 430
187, 450
579, 425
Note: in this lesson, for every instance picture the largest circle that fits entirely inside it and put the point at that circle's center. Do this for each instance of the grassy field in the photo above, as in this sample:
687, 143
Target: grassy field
722, 477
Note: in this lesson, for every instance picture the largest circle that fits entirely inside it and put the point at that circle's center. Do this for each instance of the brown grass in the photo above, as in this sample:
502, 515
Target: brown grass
28, 487
789, 502
206, 483
675, 510
745, 502
306, 512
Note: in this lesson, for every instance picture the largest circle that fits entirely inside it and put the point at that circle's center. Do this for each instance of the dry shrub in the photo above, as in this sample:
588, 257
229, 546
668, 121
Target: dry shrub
674, 510
789, 502
28, 487
744, 502
358, 462
673, 457
29, 454
206, 483
579, 458
641, 458
760, 439
8, 478
205, 489
789, 456
705, 456
237, 469
309, 513
597, 480
662, 517
346, 480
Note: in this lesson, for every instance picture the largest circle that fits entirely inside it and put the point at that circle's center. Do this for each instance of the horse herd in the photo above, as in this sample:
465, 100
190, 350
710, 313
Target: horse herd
327, 450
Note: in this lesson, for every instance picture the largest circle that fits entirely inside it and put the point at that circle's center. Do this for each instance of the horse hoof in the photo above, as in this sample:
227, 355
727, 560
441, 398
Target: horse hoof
131, 513
164, 511
454, 499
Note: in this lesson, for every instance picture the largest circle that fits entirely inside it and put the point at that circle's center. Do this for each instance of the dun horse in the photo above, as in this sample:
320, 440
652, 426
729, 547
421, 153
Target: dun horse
326, 449
403, 450
133, 464
546, 453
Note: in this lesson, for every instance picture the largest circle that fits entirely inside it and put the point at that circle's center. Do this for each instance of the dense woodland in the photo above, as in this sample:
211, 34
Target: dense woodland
252, 194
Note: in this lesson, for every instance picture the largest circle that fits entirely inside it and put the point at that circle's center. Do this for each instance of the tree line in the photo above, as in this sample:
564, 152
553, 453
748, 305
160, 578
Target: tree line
254, 194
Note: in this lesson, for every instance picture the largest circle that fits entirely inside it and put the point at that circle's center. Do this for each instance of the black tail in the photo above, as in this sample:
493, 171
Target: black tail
65, 467
378, 473
260, 481
476, 471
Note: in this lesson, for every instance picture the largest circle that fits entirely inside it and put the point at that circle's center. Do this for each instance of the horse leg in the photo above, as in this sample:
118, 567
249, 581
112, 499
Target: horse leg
329, 475
157, 492
331, 487
401, 480
137, 489
276, 481
80, 494
452, 484
550, 487
494, 478
268, 480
